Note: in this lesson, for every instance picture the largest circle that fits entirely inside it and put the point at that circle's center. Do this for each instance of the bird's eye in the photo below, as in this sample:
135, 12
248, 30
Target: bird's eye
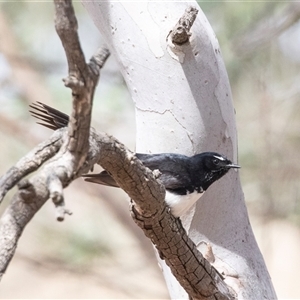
216, 161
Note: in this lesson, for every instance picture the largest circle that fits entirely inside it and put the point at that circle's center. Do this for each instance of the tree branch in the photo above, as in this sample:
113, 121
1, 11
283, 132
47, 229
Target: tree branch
82, 80
67, 148
200, 279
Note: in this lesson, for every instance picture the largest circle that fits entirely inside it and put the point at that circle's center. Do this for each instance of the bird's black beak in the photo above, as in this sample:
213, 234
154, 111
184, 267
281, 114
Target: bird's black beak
229, 166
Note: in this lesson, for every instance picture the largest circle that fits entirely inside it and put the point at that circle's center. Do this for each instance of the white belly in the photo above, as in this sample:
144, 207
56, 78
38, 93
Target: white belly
180, 204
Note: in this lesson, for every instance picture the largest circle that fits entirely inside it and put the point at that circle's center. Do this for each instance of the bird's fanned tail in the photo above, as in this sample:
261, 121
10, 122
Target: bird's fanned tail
51, 117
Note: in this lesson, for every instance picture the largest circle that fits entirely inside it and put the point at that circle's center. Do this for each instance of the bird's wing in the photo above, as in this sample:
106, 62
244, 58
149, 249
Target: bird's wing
174, 175
173, 181
173, 168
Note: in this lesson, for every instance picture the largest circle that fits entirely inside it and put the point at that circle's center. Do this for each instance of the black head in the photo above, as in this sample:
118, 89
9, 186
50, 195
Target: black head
212, 167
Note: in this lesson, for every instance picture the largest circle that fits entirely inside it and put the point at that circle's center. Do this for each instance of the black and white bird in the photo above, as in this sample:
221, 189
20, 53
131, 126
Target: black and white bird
185, 178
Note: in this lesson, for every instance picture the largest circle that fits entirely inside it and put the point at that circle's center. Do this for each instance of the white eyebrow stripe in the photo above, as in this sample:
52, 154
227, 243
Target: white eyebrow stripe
219, 157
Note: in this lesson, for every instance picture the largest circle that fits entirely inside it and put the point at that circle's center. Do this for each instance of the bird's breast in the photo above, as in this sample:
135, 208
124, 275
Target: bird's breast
180, 204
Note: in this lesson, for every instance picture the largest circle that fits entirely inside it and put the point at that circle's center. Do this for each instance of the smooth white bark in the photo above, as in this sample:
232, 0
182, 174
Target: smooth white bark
183, 104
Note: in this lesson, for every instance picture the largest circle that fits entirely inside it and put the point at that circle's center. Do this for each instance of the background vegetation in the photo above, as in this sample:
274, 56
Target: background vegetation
99, 245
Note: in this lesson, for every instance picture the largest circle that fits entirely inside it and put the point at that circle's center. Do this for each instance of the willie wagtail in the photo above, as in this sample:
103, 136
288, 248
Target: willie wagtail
185, 178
